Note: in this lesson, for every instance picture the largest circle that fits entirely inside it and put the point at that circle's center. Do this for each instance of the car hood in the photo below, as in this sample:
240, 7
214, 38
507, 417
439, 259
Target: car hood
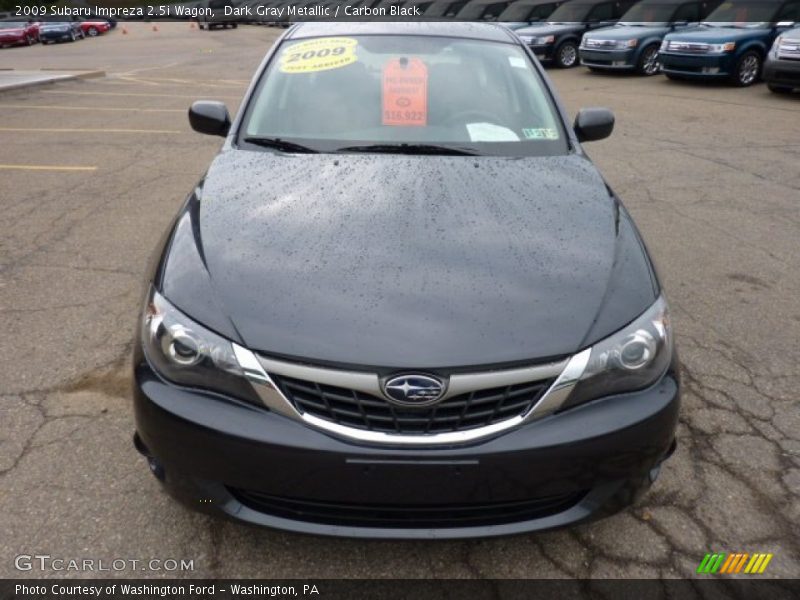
407, 261
550, 29
624, 32
716, 35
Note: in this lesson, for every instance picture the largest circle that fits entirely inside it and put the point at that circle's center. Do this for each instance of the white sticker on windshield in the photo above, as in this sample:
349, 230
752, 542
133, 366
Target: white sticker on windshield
489, 132
540, 134
517, 62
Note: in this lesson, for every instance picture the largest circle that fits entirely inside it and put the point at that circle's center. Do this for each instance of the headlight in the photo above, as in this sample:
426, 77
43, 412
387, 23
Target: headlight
773, 52
188, 354
628, 43
722, 48
629, 360
543, 41
527, 39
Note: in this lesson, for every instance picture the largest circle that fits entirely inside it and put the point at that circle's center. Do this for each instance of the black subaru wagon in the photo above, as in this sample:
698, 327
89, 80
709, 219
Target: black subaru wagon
402, 302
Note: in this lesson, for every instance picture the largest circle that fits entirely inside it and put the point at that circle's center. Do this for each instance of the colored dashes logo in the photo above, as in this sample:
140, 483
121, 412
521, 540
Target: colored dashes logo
740, 562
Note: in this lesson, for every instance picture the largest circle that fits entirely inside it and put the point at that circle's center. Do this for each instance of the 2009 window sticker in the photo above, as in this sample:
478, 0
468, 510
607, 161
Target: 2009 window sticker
319, 54
405, 93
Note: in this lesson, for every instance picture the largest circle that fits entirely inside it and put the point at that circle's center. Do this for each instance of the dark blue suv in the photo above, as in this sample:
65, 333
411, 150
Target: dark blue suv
731, 44
633, 43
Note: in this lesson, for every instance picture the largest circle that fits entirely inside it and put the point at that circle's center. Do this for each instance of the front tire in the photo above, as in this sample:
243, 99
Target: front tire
566, 55
649, 64
748, 69
72, 36
93, 32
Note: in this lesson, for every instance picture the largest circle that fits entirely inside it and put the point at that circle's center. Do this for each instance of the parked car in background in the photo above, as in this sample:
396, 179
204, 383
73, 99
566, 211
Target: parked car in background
18, 33
217, 18
95, 28
634, 42
782, 67
527, 12
732, 44
558, 40
60, 31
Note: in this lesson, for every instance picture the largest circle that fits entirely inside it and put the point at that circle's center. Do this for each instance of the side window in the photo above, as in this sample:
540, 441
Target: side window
601, 12
790, 12
688, 12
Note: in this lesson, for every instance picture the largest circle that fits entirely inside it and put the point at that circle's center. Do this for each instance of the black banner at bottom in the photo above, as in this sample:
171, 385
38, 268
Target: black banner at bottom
396, 589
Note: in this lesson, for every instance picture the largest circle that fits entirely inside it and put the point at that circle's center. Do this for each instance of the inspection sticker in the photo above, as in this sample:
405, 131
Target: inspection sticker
405, 93
540, 134
320, 54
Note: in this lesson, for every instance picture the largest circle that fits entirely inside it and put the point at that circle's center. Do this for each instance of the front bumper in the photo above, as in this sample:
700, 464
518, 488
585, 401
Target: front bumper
608, 59
55, 36
243, 462
543, 53
782, 72
703, 66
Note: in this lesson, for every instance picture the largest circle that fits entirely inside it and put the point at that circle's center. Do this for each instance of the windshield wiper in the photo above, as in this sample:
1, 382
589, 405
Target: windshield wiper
279, 144
409, 149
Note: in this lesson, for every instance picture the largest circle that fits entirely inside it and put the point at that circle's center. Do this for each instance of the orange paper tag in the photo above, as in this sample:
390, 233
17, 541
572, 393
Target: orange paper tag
405, 93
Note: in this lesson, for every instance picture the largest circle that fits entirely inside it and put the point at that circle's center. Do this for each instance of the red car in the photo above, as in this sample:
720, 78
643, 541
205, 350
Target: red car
13, 33
94, 28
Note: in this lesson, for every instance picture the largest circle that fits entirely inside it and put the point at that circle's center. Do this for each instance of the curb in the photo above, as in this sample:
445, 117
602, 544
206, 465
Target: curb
49, 80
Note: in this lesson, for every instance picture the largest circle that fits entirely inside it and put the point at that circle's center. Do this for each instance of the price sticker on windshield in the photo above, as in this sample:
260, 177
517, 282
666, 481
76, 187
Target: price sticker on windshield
319, 55
405, 93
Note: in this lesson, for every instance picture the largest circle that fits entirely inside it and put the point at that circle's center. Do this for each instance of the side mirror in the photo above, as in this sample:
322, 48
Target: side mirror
594, 124
210, 117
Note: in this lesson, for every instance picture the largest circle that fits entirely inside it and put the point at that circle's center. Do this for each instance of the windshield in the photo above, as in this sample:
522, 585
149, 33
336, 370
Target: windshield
750, 12
648, 14
472, 96
571, 13
12, 25
445, 8
526, 11
483, 11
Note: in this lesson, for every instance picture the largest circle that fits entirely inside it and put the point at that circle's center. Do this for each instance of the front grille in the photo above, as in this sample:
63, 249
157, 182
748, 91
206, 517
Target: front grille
605, 44
688, 47
359, 410
789, 50
404, 517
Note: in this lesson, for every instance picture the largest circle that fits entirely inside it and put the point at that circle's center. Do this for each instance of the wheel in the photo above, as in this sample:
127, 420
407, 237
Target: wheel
235, 25
779, 89
748, 69
648, 61
72, 36
200, 25
566, 55
92, 31
28, 40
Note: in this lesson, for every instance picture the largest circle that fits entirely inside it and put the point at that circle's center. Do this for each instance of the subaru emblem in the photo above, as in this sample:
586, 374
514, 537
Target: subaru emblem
413, 390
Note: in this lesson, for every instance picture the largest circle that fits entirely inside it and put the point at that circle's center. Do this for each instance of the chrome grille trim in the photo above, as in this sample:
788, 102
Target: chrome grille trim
257, 369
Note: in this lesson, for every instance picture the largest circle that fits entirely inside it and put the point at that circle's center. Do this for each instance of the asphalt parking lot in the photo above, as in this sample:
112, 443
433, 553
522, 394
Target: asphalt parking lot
92, 171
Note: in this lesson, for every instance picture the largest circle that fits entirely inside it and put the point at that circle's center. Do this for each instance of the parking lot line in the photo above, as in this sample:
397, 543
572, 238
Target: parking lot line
85, 130
106, 108
133, 94
46, 168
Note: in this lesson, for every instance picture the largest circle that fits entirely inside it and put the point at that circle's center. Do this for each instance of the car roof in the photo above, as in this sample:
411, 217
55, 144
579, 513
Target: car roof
482, 31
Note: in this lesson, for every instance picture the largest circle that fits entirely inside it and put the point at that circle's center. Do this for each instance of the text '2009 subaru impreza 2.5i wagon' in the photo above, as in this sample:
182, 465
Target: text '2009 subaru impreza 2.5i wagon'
403, 302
